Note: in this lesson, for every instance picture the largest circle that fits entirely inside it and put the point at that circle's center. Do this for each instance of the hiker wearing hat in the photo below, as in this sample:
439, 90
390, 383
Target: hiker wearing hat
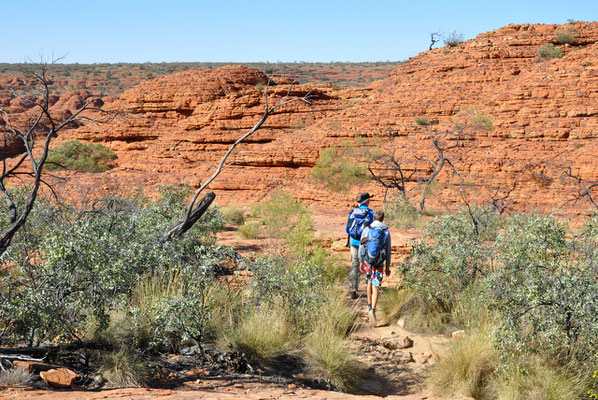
359, 218
374, 256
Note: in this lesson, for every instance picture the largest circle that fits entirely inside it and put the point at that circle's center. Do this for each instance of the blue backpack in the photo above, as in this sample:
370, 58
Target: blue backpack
376, 247
357, 221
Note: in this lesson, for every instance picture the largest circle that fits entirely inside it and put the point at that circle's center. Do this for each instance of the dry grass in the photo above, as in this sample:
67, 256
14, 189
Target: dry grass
537, 379
466, 366
122, 368
328, 352
263, 335
15, 377
250, 230
233, 215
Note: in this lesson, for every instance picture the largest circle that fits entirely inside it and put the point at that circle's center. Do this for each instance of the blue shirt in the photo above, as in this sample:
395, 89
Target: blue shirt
370, 219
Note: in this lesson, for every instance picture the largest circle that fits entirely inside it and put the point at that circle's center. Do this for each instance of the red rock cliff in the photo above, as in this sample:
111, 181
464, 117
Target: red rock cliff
544, 112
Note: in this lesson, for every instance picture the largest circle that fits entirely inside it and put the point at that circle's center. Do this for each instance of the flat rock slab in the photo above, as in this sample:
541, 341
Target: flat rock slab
61, 378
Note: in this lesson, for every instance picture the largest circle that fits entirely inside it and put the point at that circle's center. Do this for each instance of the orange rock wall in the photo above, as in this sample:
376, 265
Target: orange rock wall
545, 115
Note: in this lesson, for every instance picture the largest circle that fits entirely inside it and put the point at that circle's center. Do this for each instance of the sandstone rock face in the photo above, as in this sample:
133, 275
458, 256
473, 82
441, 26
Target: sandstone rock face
545, 117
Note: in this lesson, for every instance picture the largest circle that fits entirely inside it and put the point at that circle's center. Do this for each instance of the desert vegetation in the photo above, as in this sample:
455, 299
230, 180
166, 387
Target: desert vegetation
523, 290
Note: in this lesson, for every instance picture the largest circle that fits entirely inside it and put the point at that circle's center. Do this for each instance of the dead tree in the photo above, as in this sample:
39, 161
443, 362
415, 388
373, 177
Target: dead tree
434, 38
195, 209
442, 142
587, 189
35, 124
388, 171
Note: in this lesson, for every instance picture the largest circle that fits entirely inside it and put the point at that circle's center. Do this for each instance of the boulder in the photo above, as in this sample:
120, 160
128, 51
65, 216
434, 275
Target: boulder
60, 378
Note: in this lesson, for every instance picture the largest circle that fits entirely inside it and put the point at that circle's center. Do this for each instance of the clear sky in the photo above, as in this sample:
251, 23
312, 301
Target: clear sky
97, 31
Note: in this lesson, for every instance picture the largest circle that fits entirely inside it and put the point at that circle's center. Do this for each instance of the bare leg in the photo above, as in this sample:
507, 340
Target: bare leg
369, 290
375, 290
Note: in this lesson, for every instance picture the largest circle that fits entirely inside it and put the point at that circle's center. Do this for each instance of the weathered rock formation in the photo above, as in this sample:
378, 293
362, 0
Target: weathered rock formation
544, 112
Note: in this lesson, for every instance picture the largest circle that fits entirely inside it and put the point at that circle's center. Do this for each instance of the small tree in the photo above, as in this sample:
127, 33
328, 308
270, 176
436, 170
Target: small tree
37, 123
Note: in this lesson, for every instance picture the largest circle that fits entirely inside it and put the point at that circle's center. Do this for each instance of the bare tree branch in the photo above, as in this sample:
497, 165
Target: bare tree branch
195, 211
39, 124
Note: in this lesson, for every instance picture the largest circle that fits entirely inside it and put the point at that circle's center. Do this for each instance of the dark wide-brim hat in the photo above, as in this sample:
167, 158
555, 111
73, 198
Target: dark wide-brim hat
363, 197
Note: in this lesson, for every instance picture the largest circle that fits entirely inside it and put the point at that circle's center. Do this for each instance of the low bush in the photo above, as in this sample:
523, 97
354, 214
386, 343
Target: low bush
337, 169
169, 309
233, 215
264, 334
453, 39
333, 268
250, 230
92, 261
547, 291
403, 214
331, 359
549, 51
566, 36
449, 259
279, 214
536, 378
76, 156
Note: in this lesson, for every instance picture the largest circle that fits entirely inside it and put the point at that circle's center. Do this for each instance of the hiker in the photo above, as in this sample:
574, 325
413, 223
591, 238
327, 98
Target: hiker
374, 256
359, 218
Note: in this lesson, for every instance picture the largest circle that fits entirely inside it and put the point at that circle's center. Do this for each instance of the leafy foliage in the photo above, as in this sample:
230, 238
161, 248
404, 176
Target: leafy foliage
68, 265
451, 257
337, 169
547, 290
566, 36
76, 156
549, 51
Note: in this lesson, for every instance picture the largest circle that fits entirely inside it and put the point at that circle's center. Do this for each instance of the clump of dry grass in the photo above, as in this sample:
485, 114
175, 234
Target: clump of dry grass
328, 352
330, 358
233, 215
535, 378
122, 368
466, 366
15, 377
262, 335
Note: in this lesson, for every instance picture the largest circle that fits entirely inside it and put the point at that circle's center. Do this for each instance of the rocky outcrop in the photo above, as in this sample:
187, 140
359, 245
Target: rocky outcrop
544, 114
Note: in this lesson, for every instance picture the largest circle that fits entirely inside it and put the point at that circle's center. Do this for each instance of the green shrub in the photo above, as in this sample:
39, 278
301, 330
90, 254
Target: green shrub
453, 39
337, 169
566, 36
76, 156
549, 51
592, 392
169, 310
93, 260
332, 267
403, 214
250, 230
279, 213
449, 259
300, 237
547, 291
422, 121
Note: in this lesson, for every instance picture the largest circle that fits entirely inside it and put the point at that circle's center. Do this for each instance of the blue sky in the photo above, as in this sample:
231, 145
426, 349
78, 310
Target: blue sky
97, 31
